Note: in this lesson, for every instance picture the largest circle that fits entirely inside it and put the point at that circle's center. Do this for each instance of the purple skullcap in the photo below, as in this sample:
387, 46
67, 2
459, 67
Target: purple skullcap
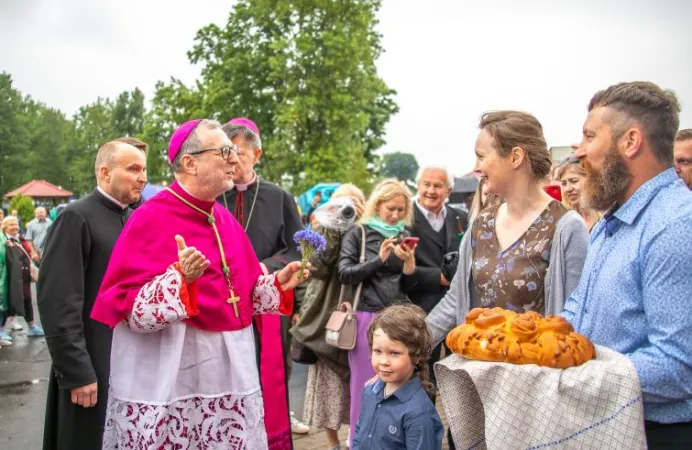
179, 137
245, 122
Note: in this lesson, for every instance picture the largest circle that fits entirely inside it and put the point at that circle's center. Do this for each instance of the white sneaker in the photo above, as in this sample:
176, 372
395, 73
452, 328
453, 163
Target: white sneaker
298, 427
14, 326
5, 342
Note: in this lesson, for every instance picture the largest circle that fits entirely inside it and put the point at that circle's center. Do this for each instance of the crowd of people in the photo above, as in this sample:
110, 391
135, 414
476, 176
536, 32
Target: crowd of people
174, 322
20, 258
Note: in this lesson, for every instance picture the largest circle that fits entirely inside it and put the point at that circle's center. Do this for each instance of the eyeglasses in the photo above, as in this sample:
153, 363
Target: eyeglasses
224, 152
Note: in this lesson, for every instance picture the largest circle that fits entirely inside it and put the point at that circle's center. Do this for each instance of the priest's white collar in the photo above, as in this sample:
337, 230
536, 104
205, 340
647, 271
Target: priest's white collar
109, 197
185, 189
243, 187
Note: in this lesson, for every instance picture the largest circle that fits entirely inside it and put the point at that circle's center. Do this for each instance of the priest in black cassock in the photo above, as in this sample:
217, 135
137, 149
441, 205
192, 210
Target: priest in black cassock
78, 247
270, 218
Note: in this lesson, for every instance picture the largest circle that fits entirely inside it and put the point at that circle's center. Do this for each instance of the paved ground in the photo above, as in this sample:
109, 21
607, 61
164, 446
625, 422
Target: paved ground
24, 368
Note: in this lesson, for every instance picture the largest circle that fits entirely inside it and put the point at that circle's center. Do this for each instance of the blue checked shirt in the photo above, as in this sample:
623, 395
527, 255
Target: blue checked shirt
406, 420
635, 293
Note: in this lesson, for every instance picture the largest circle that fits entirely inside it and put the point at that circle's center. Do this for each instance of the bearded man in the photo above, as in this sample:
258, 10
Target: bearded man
634, 292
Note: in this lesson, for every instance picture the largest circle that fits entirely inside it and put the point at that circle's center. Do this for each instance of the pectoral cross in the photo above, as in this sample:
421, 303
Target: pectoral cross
234, 301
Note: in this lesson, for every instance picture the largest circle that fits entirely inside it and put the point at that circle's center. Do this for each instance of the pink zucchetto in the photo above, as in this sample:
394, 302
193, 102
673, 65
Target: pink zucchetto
179, 136
245, 122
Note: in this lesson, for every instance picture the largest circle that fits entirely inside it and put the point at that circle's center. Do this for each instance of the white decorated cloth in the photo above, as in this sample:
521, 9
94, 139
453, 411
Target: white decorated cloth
176, 386
183, 386
597, 405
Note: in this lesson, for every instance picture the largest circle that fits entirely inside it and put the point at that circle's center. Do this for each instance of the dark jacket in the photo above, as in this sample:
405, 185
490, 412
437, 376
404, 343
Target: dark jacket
432, 248
18, 276
321, 300
384, 284
78, 247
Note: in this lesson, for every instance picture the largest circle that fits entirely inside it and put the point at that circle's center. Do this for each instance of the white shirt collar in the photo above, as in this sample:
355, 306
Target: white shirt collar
182, 186
243, 187
429, 214
109, 197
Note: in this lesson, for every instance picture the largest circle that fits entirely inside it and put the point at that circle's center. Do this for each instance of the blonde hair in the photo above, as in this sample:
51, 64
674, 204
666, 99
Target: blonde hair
7, 220
385, 191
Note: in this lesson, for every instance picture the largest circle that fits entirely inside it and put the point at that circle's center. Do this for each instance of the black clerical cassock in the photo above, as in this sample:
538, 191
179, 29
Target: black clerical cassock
78, 247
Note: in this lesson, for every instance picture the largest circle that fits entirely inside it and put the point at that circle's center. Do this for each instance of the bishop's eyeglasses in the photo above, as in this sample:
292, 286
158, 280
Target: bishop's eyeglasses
225, 152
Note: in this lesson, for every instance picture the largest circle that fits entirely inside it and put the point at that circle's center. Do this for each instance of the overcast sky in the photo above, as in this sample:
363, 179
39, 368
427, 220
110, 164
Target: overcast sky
449, 60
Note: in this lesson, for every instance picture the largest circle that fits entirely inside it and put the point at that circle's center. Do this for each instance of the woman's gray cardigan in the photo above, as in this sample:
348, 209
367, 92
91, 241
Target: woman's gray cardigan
567, 255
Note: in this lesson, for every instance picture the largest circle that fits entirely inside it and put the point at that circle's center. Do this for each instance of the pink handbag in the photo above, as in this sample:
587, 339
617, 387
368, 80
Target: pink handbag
342, 327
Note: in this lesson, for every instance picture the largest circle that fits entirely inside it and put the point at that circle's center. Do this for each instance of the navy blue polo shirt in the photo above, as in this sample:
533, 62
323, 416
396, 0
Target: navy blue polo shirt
406, 420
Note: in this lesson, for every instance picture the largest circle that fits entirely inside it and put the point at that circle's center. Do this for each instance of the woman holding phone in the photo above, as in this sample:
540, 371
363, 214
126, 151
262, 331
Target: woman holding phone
386, 273
525, 254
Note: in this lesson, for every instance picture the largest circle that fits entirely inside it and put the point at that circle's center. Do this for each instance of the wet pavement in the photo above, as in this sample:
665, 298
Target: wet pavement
24, 369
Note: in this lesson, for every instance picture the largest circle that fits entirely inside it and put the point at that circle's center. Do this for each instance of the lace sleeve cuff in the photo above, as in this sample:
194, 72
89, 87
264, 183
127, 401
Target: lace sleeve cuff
268, 298
164, 300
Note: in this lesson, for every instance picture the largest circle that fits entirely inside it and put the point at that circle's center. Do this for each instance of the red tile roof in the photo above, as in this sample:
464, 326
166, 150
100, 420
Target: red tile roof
40, 189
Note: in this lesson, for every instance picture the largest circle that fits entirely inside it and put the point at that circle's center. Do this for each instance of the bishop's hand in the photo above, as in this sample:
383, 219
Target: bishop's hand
288, 276
192, 261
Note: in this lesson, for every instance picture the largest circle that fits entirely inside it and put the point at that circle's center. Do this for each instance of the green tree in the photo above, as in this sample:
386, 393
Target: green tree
128, 113
33, 139
402, 166
92, 128
49, 145
24, 206
305, 72
173, 104
14, 139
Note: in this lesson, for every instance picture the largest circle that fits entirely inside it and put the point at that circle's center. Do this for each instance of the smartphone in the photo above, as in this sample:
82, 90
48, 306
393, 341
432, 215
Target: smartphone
410, 241
554, 191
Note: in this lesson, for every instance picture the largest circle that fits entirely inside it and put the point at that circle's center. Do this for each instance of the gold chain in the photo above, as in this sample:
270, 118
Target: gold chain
226, 271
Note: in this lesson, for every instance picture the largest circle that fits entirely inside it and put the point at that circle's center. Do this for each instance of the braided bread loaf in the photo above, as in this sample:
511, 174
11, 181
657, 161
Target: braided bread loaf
504, 336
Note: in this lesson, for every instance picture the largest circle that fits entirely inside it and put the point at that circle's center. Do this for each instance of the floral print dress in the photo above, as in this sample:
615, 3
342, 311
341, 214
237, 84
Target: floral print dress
513, 278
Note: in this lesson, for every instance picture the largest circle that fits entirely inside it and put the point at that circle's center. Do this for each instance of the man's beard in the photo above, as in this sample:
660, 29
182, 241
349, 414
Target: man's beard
215, 184
603, 189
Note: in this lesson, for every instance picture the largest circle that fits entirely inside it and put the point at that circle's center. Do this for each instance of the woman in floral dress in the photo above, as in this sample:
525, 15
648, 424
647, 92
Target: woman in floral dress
525, 254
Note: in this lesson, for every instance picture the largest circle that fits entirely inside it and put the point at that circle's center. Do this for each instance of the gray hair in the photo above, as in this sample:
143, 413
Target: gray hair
450, 176
252, 138
193, 143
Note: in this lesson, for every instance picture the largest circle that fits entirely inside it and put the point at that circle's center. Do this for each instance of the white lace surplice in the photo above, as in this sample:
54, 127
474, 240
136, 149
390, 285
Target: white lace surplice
175, 386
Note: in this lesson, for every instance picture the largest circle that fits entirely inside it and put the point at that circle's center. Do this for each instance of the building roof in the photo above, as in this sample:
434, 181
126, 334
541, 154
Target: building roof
40, 189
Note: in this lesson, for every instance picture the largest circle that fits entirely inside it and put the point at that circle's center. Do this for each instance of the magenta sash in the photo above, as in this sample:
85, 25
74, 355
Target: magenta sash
273, 381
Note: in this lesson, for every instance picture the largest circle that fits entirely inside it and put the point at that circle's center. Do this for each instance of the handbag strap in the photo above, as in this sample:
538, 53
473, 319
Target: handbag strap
361, 260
